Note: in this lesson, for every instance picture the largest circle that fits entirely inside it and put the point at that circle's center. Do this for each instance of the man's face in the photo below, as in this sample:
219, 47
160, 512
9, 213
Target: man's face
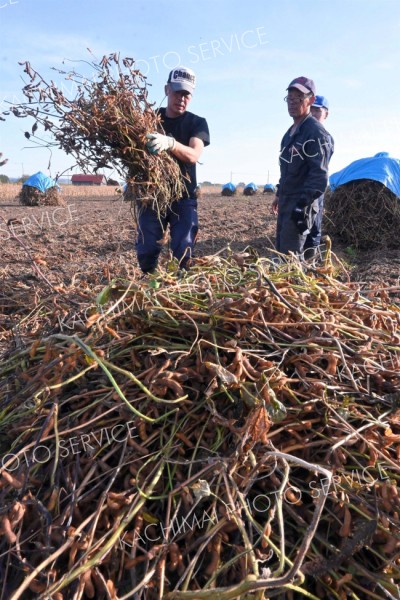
319, 113
177, 101
298, 103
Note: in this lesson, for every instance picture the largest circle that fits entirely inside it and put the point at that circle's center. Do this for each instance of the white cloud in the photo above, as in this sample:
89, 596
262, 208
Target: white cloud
350, 83
382, 65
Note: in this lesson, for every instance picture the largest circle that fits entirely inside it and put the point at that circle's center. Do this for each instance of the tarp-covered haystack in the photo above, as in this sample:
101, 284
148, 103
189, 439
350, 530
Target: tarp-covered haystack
250, 189
362, 207
231, 434
40, 190
104, 125
228, 189
269, 188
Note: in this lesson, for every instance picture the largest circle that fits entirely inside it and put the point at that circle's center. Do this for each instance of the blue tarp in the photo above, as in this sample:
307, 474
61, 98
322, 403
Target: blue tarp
380, 167
269, 187
251, 186
229, 186
41, 182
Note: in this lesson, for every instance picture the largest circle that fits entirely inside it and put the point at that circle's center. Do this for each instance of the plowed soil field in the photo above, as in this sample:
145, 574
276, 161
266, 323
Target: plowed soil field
92, 238
97, 227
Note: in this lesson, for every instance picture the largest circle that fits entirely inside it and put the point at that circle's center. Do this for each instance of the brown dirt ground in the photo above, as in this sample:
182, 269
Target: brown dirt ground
98, 228
92, 239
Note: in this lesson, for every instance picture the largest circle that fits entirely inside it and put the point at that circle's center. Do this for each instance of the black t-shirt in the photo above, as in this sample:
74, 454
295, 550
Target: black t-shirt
183, 128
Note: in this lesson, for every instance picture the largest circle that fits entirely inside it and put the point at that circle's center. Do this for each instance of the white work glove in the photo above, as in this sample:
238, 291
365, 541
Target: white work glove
159, 142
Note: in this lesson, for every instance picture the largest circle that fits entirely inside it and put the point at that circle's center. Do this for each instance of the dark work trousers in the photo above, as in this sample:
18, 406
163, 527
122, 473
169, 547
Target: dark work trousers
314, 237
288, 237
183, 221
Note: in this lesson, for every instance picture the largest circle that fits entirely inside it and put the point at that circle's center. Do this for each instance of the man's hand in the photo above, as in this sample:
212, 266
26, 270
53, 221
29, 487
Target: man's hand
301, 217
159, 143
274, 205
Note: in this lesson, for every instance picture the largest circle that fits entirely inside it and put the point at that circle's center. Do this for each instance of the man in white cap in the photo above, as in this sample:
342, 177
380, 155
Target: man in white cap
306, 149
185, 135
320, 111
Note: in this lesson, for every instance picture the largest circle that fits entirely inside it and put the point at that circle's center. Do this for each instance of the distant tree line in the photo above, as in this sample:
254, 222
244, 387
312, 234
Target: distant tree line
6, 179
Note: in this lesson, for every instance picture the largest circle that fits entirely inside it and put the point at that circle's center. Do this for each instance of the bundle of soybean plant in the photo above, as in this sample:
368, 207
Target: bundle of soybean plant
364, 214
32, 196
232, 434
227, 191
249, 191
103, 123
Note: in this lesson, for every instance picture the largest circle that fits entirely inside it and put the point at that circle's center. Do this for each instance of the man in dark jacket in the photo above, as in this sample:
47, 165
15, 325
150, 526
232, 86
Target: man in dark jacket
306, 149
186, 136
320, 111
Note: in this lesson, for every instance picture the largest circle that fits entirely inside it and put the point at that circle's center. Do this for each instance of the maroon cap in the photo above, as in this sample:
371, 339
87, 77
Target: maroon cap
303, 84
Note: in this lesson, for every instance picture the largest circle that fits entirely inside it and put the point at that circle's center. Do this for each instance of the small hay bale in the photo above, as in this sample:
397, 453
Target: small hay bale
228, 190
364, 214
269, 189
250, 190
31, 196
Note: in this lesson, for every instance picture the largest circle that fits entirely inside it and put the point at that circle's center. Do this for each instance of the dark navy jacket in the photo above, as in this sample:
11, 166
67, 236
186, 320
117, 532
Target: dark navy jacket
304, 159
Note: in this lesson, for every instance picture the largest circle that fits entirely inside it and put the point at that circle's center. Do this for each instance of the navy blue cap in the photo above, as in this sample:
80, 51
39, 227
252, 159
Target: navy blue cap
321, 102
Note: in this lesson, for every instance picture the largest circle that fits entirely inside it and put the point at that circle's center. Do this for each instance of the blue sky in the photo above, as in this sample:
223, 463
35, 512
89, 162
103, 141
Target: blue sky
244, 54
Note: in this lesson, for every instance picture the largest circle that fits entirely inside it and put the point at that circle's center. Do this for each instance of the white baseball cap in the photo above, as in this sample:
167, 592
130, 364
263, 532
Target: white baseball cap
182, 78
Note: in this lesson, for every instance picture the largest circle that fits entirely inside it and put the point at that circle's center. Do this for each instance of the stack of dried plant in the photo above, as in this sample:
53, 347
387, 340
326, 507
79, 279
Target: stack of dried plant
229, 435
249, 191
104, 125
227, 191
32, 196
363, 213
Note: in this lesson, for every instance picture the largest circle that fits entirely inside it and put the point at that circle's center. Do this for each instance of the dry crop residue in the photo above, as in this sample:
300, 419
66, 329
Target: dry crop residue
181, 435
